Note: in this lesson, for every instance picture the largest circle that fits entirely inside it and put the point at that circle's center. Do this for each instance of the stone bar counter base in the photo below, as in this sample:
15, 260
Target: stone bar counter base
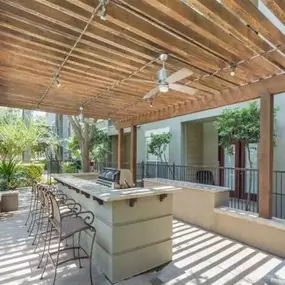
134, 226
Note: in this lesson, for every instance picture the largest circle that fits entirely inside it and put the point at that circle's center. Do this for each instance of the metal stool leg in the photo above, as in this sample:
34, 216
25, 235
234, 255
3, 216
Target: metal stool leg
49, 242
46, 241
56, 261
30, 208
78, 250
90, 256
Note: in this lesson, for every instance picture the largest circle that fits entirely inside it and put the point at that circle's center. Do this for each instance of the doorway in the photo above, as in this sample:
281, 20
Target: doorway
235, 171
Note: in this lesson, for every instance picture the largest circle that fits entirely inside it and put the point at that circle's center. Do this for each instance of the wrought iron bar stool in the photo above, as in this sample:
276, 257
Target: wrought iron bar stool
32, 201
67, 227
67, 206
36, 213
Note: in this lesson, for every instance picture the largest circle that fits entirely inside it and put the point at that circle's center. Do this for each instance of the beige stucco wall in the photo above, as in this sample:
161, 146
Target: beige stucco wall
209, 210
210, 144
194, 134
268, 235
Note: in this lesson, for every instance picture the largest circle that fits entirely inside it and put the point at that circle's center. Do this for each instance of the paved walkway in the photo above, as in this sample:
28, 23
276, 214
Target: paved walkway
199, 257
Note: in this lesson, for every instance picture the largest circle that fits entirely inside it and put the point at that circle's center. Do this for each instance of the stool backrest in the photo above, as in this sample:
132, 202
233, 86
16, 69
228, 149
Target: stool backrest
55, 212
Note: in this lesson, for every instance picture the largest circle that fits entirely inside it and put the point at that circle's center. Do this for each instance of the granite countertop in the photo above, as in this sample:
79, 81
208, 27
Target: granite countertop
184, 184
106, 194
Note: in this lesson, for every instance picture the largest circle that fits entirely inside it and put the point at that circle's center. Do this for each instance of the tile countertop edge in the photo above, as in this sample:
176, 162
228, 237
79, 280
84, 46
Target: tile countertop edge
63, 178
192, 185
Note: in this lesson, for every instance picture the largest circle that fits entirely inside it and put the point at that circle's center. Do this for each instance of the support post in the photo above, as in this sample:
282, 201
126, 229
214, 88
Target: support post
266, 155
133, 154
121, 158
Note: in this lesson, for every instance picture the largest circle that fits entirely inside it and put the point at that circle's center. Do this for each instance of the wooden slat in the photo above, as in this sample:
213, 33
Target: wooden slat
250, 13
277, 7
273, 85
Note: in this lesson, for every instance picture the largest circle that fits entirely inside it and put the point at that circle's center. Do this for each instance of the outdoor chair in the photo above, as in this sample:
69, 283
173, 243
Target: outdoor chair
60, 228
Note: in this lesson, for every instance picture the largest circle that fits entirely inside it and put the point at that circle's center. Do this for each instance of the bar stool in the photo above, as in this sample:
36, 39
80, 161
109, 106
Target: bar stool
67, 206
38, 205
66, 227
32, 200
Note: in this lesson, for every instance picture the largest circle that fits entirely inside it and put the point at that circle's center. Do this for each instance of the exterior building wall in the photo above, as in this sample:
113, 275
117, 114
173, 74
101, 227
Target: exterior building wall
114, 148
210, 144
194, 148
179, 148
61, 126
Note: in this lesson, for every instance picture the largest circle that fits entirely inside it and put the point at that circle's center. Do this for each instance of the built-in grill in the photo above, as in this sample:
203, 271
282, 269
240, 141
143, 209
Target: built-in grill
115, 178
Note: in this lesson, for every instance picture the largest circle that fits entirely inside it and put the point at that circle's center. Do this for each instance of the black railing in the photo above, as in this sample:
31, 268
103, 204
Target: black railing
242, 182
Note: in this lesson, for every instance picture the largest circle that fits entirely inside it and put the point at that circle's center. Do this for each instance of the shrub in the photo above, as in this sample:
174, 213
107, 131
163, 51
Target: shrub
4, 185
10, 176
68, 167
32, 171
41, 162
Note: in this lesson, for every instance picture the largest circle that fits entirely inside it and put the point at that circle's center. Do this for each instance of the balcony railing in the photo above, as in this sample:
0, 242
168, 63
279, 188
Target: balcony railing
242, 182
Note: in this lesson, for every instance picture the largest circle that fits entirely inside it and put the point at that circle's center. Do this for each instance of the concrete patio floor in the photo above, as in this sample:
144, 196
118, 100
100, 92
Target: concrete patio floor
199, 257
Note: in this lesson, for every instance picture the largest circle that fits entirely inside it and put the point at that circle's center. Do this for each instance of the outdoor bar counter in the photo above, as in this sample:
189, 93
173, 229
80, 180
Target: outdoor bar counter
134, 225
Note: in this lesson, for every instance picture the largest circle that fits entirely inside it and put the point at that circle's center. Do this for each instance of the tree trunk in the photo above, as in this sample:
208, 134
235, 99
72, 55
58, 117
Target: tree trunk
85, 157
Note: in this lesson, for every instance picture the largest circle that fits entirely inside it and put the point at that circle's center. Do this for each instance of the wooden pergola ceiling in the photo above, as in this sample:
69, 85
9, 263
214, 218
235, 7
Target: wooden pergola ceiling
101, 64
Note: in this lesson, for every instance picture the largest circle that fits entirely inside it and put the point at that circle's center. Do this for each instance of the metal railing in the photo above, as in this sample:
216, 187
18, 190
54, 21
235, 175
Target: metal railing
242, 182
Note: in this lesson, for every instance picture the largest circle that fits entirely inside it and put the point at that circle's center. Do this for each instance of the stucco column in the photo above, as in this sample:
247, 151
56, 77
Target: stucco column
266, 155
133, 154
121, 158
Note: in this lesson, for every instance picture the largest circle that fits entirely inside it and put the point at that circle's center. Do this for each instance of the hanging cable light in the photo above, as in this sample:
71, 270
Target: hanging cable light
56, 79
81, 114
233, 68
103, 10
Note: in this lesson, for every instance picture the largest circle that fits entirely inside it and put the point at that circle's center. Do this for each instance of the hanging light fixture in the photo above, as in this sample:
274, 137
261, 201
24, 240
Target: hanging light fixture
81, 114
150, 104
56, 79
103, 10
233, 68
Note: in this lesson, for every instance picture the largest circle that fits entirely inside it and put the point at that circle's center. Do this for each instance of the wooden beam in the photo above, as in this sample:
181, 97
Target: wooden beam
273, 85
277, 7
121, 159
266, 156
133, 153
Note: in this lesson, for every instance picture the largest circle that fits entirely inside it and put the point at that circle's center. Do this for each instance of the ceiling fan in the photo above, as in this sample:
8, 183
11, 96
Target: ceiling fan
166, 82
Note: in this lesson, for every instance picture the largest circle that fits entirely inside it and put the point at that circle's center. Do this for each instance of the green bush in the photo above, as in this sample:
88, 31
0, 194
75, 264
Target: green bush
4, 185
68, 167
32, 171
42, 162
10, 175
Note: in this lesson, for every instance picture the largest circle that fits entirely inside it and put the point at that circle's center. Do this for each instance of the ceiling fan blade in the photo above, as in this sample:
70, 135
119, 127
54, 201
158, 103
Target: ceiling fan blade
151, 93
183, 88
178, 75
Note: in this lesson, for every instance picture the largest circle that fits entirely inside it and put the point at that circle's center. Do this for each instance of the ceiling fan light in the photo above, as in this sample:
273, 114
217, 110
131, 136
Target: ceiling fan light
163, 88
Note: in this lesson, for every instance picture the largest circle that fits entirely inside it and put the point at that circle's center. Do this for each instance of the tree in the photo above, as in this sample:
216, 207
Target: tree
241, 125
15, 138
48, 142
158, 145
98, 145
84, 133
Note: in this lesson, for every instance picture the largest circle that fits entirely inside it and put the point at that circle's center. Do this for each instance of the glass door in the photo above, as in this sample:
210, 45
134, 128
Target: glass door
229, 168
251, 173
